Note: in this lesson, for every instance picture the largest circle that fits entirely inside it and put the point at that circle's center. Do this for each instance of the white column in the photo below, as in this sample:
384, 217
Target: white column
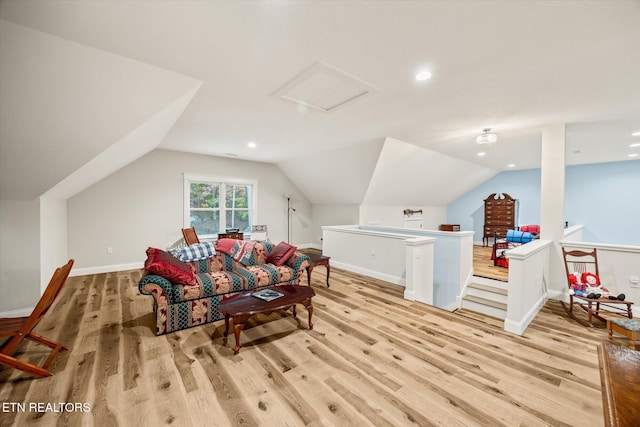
419, 273
552, 203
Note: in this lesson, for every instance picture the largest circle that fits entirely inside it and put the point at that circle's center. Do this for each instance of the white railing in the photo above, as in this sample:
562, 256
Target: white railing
437, 262
528, 283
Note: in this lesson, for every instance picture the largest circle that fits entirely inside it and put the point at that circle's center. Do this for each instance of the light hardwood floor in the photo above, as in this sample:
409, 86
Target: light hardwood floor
372, 359
483, 264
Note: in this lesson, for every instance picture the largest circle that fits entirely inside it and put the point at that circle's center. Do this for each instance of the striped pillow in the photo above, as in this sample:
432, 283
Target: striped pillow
194, 252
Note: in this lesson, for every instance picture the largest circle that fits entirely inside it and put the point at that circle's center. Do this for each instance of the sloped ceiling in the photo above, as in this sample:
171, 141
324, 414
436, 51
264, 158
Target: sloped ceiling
89, 73
335, 176
63, 104
406, 174
385, 172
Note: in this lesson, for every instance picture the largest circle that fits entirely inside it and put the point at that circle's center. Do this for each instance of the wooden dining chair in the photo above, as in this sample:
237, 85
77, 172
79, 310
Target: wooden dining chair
190, 236
19, 328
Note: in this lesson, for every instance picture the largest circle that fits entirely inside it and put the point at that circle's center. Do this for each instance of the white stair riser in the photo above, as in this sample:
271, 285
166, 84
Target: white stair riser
495, 283
484, 309
487, 295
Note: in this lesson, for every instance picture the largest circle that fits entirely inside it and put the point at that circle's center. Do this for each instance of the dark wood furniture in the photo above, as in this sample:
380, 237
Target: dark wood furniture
449, 227
581, 262
232, 235
620, 378
628, 327
241, 307
316, 260
499, 215
20, 328
190, 236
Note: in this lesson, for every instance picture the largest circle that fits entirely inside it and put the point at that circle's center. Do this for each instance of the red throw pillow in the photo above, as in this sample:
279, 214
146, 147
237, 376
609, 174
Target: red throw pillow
281, 253
171, 268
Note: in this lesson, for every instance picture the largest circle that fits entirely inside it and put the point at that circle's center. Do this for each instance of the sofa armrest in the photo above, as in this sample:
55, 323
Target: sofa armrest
156, 286
299, 263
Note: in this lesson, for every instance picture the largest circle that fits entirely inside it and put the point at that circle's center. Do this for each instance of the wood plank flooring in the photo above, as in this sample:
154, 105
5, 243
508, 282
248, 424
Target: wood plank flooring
483, 264
373, 359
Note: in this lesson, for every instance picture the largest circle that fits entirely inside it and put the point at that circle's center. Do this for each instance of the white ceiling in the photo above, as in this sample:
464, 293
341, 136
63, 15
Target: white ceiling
511, 66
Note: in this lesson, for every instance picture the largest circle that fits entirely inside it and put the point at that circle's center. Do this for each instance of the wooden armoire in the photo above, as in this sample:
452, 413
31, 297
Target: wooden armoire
499, 215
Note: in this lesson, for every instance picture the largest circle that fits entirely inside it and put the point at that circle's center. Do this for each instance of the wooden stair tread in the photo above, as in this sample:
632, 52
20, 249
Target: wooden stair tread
485, 301
489, 288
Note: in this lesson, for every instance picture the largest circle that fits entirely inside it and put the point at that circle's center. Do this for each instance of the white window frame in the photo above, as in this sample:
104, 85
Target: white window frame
222, 181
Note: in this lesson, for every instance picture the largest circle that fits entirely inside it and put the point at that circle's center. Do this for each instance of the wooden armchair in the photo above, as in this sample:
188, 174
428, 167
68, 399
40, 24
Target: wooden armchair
587, 262
19, 328
190, 236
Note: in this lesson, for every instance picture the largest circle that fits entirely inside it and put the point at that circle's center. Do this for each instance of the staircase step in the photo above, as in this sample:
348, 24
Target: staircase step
478, 305
491, 282
485, 301
489, 288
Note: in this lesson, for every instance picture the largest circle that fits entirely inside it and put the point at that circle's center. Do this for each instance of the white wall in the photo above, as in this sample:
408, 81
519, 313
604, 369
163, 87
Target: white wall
53, 237
392, 216
619, 265
141, 205
332, 214
19, 255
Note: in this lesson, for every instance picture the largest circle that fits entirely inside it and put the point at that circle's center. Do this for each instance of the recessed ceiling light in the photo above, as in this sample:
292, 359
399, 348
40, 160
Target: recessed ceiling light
633, 155
511, 165
251, 144
635, 134
423, 75
482, 153
637, 144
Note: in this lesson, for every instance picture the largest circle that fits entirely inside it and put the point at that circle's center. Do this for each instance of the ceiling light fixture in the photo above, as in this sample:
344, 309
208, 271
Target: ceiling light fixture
487, 137
635, 134
637, 144
633, 155
423, 75
251, 144
482, 153
511, 165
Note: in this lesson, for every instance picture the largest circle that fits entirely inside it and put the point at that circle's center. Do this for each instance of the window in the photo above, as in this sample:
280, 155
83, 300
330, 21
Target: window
213, 205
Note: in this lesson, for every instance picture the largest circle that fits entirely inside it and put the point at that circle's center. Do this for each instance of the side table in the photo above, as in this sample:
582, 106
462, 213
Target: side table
317, 260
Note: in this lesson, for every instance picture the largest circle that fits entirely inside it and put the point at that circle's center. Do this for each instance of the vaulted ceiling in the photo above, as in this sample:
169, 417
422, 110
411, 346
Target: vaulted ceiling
84, 81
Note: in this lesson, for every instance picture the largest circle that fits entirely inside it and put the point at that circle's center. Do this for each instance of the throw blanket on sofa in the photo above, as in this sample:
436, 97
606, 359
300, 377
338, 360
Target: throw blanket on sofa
240, 250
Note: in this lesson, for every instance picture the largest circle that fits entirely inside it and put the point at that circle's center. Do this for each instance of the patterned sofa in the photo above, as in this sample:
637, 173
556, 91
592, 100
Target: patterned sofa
179, 306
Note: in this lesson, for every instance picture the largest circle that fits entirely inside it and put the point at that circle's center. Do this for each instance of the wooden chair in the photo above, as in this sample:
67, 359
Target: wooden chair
190, 236
582, 262
19, 328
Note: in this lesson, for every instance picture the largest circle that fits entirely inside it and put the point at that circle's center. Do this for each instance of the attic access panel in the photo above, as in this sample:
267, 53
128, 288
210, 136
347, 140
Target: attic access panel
325, 88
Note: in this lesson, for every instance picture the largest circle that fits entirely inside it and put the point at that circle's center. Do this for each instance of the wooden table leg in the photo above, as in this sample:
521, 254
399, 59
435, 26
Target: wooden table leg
226, 325
309, 269
309, 306
328, 270
238, 325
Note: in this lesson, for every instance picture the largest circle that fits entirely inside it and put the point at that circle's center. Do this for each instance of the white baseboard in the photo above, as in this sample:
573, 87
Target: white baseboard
371, 273
105, 269
24, 312
559, 295
309, 246
451, 307
518, 327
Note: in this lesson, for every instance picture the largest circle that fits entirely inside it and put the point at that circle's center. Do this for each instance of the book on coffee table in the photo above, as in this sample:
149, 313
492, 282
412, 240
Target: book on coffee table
267, 294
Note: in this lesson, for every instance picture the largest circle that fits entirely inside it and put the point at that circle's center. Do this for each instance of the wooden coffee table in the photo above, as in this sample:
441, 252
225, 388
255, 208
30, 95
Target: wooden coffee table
243, 306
